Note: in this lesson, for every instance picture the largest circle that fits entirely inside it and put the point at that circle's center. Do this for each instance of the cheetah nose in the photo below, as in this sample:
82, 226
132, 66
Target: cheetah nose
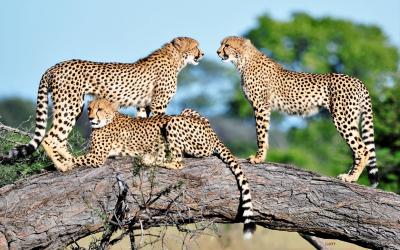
202, 54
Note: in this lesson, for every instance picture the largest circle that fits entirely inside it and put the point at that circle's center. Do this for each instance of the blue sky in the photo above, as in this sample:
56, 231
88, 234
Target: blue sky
37, 34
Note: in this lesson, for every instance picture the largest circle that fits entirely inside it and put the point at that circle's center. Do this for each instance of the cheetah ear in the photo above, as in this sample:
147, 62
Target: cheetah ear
115, 106
247, 42
178, 43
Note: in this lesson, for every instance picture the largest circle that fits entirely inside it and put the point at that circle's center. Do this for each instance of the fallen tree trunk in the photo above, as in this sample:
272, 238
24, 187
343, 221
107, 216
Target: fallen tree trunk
53, 209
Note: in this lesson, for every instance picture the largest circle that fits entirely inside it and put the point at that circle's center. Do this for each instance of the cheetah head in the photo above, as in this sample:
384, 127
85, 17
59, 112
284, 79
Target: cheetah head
233, 48
189, 49
101, 112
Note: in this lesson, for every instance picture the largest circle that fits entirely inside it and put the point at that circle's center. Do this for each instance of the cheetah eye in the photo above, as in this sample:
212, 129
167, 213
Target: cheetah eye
226, 45
99, 109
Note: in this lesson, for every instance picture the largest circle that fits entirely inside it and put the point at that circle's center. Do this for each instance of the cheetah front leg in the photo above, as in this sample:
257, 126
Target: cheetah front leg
262, 115
97, 156
142, 112
159, 104
165, 89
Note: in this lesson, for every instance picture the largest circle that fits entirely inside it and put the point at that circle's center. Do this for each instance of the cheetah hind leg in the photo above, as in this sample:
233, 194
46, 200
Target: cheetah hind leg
351, 135
54, 156
355, 172
256, 159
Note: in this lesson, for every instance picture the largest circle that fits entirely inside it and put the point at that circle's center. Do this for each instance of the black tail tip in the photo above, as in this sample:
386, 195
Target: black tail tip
374, 184
248, 230
16, 153
373, 178
22, 151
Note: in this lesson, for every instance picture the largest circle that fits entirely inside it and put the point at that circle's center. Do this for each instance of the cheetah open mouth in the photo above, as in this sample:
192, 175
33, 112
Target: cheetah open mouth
100, 123
94, 124
224, 57
191, 59
97, 124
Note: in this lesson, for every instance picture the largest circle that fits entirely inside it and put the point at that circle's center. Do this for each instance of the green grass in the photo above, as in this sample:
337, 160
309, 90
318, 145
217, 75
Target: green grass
22, 168
35, 163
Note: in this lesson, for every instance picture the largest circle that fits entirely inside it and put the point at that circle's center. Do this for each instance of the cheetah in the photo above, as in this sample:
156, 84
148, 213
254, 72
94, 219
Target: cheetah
190, 133
148, 84
268, 86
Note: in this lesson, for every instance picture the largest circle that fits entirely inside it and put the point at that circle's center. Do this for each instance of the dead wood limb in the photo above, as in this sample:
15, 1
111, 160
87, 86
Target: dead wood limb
316, 242
13, 130
53, 209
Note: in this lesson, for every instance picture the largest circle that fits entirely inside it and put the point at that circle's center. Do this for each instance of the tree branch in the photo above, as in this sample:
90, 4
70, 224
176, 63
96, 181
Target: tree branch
53, 209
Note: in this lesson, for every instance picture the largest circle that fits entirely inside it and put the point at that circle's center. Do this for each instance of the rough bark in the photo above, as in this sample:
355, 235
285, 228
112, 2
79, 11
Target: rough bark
53, 209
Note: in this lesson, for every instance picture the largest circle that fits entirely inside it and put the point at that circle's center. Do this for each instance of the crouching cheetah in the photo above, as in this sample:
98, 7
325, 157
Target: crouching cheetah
147, 84
268, 86
189, 133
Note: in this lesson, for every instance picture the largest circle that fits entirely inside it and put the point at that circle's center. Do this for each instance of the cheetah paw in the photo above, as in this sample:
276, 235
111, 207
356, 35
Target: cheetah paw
255, 159
65, 166
347, 178
173, 165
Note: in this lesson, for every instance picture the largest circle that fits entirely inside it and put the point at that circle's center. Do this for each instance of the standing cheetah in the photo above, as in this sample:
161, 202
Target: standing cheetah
187, 133
268, 86
147, 84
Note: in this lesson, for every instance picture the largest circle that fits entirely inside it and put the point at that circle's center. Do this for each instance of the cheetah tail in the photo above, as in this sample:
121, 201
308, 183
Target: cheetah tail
246, 204
367, 131
41, 121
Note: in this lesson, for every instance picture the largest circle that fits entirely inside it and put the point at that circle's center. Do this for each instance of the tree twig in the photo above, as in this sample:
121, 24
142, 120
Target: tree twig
118, 212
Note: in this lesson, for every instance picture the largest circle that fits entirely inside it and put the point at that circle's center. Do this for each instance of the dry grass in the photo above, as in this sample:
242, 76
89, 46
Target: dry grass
230, 239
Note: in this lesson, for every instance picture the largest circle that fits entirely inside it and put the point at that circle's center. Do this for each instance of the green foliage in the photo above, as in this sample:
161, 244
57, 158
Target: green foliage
325, 44
32, 165
17, 112
319, 147
387, 134
322, 45
242, 149
77, 143
35, 163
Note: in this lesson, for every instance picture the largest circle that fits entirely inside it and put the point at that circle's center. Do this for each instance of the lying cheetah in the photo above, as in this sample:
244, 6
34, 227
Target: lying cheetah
268, 86
147, 84
188, 133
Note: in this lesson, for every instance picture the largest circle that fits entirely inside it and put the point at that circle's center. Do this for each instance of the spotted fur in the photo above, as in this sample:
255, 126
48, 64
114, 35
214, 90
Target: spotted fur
268, 86
147, 84
189, 133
